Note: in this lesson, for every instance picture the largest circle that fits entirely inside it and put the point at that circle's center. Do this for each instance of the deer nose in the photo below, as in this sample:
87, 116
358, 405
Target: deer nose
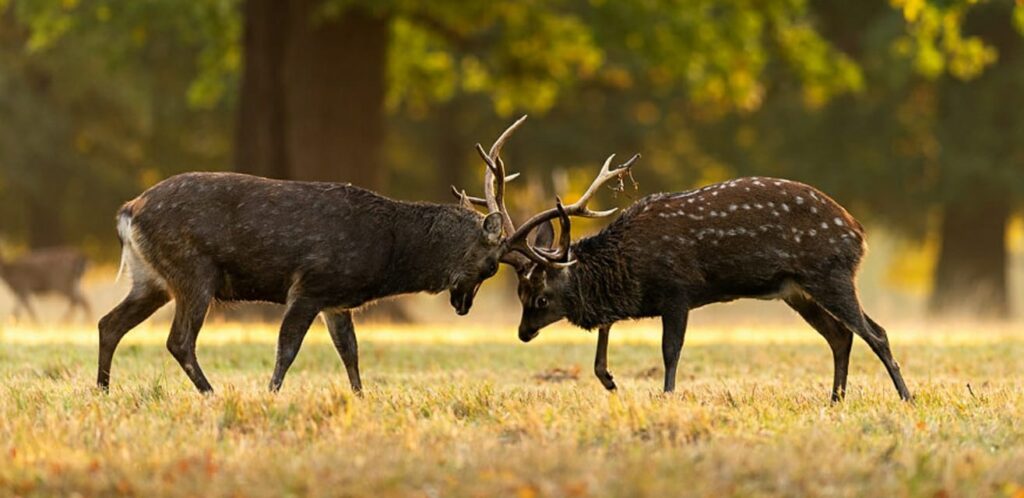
526, 334
462, 302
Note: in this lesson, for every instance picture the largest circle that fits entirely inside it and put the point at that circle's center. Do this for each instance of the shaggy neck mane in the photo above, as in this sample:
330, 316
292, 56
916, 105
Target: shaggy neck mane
602, 289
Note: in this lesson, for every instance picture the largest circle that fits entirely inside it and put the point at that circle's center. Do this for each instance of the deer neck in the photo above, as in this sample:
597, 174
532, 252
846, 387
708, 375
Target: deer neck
602, 289
430, 246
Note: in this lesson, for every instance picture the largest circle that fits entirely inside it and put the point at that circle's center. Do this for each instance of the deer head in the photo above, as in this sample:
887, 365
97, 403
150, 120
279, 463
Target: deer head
480, 261
541, 265
544, 276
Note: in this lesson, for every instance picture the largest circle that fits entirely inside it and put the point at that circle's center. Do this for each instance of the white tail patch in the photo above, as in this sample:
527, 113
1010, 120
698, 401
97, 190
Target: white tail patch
124, 230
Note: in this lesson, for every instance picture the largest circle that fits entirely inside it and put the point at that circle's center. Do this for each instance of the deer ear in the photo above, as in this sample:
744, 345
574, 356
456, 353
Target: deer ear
492, 228
545, 236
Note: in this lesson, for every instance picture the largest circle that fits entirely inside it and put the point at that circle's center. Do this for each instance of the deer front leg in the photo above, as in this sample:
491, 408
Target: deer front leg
673, 324
297, 319
343, 334
601, 359
24, 304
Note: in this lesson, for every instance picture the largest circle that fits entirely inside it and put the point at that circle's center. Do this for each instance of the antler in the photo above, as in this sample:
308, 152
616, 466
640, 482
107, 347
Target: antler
494, 179
516, 243
494, 176
560, 256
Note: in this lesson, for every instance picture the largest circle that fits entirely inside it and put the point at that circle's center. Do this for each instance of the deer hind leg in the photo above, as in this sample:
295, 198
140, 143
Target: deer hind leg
673, 332
297, 319
839, 338
601, 359
137, 306
840, 300
343, 334
189, 315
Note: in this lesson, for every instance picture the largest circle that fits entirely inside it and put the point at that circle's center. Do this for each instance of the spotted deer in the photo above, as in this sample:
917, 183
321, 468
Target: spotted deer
669, 253
317, 248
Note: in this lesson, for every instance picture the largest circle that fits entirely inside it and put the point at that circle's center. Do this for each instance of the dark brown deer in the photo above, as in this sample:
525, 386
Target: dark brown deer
56, 270
318, 248
666, 254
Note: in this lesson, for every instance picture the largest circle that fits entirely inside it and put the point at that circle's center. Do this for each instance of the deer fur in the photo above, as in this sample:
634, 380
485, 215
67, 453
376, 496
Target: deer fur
763, 238
316, 247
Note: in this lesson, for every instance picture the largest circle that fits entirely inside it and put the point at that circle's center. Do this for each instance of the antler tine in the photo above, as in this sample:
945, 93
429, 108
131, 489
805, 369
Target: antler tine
560, 253
476, 201
494, 191
578, 208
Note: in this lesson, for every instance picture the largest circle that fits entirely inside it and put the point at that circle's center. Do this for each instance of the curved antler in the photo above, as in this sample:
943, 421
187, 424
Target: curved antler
518, 240
494, 176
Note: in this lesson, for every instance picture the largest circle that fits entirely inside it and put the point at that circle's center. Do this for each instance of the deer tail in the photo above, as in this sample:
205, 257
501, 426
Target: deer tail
124, 232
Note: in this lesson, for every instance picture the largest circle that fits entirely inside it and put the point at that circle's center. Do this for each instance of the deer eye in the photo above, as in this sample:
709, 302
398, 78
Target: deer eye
542, 302
492, 268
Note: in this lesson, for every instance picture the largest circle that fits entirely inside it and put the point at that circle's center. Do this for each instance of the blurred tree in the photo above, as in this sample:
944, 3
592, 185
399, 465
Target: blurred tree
95, 106
934, 133
896, 106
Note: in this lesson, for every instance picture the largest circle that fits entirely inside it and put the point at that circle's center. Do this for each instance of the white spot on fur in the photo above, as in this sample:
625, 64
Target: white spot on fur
799, 200
785, 207
838, 222
824, 226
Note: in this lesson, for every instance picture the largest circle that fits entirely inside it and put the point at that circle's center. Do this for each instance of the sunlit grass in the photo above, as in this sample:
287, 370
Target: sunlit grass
468, 411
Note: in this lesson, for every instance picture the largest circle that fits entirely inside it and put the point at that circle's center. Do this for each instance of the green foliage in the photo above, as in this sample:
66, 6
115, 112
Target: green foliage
935, 40
894, 104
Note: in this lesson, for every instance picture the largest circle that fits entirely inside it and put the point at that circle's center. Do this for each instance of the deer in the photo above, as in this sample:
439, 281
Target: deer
318, 248
669, 253
53, 270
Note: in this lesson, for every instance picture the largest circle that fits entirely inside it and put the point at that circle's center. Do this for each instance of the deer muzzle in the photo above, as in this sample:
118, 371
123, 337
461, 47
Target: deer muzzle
462, 300
527, 334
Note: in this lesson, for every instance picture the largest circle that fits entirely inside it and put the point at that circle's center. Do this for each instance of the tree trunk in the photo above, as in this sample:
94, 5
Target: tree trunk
259, 139
334, 87
312, 96
970, 275
312, 99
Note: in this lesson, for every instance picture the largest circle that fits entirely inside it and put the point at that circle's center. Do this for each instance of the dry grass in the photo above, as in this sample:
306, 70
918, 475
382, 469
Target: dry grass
473, 413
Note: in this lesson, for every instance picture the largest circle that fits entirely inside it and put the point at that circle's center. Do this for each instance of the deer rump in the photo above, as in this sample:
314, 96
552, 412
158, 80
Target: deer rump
258, 239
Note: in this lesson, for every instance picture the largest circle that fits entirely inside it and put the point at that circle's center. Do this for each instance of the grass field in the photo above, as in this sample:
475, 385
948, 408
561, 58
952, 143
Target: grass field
470, 412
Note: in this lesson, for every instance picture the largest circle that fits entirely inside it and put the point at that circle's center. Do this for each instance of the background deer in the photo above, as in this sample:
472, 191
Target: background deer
56, 270
763, 238
318, 248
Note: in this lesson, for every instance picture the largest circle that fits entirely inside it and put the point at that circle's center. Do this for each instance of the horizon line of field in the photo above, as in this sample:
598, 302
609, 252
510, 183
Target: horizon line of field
644, 333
